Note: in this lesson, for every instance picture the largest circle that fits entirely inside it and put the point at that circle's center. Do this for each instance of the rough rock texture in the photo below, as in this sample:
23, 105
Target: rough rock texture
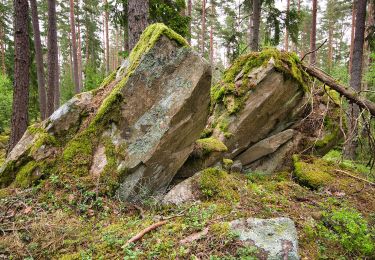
262, 113
136, 130
276, 238
186, 191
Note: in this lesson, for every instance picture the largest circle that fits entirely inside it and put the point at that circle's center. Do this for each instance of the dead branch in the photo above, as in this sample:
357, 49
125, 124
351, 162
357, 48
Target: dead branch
355, 177
145, 231
194, 237
351, 95
308, 53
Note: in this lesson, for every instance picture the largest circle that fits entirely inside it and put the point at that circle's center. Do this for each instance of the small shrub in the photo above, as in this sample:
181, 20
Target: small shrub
348, 228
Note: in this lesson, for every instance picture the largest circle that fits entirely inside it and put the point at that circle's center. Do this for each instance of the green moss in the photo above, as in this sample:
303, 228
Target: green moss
221, 230
211, 144
314, 175
25, 175
227, 163
215, 183
8, 174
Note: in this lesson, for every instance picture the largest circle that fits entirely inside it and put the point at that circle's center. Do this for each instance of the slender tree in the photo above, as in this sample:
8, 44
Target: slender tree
79, 54
352, 34
313, 32
21, 72
74, 48
189, 9
203, 33
106, 36
138, 12
255, 25
212, 32
356, 74
286, 42
53, 59
39, 60
2, 49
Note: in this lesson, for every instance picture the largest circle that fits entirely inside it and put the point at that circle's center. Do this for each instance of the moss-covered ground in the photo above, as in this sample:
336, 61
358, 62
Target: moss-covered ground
334, 221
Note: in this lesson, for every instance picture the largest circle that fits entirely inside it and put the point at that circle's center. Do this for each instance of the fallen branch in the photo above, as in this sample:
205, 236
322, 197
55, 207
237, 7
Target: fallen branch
355, 177
310, 52
145, 231
194, 237
351, 95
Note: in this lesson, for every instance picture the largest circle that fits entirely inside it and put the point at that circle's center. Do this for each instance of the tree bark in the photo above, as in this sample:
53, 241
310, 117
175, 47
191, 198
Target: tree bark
286, 43
313, 32
348, 93
39, 60
352, 35
356, 76
330, 46
255, 25
79, 54
189, 14
212, 33
2, 48
137, 20
74, 48
53, 73
203, 32
106, 37
21, 72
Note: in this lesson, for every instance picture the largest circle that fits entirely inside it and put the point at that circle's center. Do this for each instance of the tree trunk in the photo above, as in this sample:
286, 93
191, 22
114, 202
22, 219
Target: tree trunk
356, 76
330, 46
255, 25
2, 48
286, 43
21, 72
106, 37
203, 32
313, 33
39, 60
137, 20
52, 57
189, 14
79, 55
212, 33
352, 35
74, 48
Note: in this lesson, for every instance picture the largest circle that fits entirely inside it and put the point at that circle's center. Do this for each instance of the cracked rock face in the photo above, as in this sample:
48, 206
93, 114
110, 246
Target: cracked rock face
275, 238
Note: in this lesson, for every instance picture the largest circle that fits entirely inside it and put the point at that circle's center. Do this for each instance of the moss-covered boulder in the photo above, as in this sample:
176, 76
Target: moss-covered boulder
132, 134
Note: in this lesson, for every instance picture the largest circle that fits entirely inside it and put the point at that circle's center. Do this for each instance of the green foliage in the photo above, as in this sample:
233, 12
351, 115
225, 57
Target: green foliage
93, 77
348, 228
6, 101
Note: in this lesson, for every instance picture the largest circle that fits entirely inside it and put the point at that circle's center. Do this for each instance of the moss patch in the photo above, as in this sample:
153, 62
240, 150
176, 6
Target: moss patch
314, 174
211, 144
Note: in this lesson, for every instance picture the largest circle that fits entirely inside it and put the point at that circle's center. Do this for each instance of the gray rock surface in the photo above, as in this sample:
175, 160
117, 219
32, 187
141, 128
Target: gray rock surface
276, 237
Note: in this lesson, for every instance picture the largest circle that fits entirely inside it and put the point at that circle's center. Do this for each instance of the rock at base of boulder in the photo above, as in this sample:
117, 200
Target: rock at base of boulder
276, 237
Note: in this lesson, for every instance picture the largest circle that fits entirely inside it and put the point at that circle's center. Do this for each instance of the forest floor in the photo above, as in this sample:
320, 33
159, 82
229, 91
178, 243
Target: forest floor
335, 221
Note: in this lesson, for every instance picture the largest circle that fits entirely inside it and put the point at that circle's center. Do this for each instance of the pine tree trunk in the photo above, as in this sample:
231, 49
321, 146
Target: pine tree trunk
352, 35
106, 37
212, 33
189, 14
21, 72
52, 58
137, 20
255, 25
356, 76
80, 80
2, 48
286, 43
203, 32
74, 48
313, 32
330, 47
39, 60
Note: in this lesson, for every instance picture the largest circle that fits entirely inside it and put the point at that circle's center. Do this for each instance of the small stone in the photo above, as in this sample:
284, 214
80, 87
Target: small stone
236, 167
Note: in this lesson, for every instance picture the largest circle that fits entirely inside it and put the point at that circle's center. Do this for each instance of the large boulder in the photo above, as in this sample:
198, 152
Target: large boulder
130, 135
261, 113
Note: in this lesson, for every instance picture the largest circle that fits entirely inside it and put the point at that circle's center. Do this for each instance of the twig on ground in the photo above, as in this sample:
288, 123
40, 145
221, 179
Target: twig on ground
355, 177
145, 231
